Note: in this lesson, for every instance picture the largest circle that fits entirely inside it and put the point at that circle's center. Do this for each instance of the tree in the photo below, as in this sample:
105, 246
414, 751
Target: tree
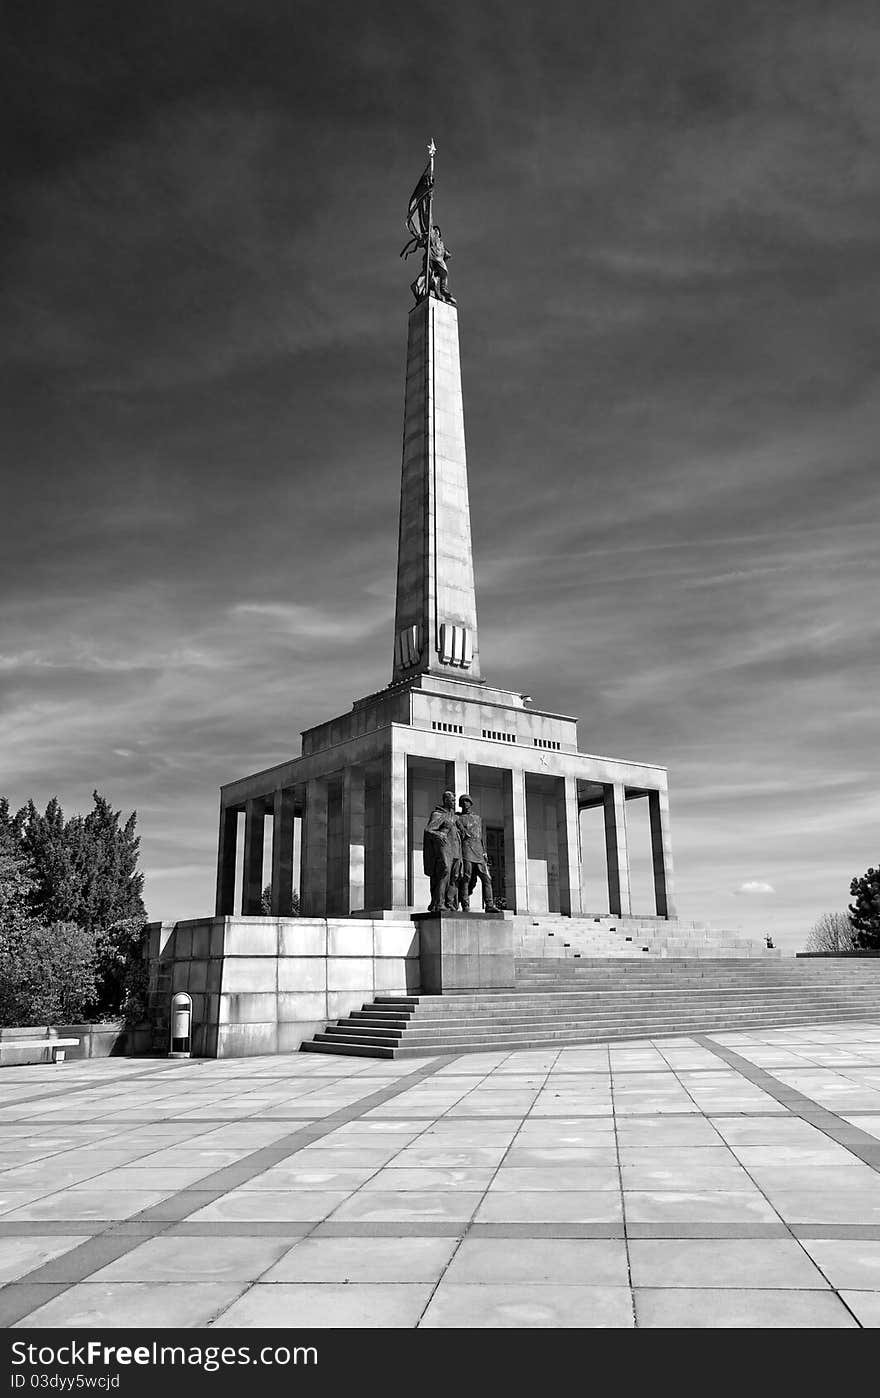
16, 877
864, 911
48, 974
266, 903
833, 933
85, 868
60, 878
120, 967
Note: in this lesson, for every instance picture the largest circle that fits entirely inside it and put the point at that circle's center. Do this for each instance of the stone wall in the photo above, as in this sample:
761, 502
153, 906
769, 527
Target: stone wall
263, 984
109, 1039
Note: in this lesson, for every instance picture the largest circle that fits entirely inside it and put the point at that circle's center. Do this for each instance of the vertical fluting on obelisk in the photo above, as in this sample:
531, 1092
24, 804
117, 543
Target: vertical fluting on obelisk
435, 625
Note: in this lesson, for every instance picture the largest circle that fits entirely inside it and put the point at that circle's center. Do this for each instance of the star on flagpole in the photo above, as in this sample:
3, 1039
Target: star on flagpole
432, 149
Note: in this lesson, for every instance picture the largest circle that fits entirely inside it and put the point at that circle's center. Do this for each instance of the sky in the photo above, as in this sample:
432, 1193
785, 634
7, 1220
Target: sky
664, 224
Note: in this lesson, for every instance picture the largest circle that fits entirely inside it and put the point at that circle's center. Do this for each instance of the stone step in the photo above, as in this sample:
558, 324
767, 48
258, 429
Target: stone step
462, 1006
616, 1014
390, 1048
587, 1015
541, 996
564, 1001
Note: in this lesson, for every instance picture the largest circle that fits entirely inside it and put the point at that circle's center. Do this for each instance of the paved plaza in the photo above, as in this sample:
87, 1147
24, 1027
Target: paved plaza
711, 1181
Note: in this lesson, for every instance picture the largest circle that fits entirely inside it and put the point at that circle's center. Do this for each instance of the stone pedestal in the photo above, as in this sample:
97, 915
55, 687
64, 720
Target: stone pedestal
465, 951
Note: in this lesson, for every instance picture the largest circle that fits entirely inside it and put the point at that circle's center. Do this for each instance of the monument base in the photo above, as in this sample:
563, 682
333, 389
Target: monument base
465, 951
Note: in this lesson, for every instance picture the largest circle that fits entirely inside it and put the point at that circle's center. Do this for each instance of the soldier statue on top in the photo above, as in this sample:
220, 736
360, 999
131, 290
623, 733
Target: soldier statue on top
425, 236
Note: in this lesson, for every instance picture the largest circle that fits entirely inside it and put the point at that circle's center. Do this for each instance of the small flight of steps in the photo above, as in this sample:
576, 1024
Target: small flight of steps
562, 938
556, 1003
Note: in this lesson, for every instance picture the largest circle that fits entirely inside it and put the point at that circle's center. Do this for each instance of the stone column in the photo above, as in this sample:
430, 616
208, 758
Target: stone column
283, 816
313, 878
616, 851
568, 840
394, 840
225, 904
353, 838
661, 853
516, 844
252, 872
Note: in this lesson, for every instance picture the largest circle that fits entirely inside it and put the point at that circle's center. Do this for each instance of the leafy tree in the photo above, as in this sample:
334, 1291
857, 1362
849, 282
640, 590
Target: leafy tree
48, 973
864, 911
832, 932
16, 877
120, 967
75, 883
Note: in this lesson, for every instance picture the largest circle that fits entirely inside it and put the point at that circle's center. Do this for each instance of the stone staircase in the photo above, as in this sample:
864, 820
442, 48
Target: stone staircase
560, 1001
549, 935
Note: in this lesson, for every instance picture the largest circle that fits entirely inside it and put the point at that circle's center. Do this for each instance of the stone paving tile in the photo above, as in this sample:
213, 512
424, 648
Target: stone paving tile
415, 1259
565, 1132
768, 1131
144, 1177
12, 1200
671, 1131
850, 1263
428, 1177
89, 1204
178, 1259
828, 1206
473, 1133
295, 1206
293, 1305
512, 1306
433, 1157
21, 1255
545, 1206
147, 1305
701, 1206
678, 1175
408, 1206
720, 1262
557, 1261
752, 1309
557, 1177
296, 1175
865, 1306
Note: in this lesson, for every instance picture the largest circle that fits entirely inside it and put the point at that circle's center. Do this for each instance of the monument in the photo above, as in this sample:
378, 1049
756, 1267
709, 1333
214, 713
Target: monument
348, 814
364, 784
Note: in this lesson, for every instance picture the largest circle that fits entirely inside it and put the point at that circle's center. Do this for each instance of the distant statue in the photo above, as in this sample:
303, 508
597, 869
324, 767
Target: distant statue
474, 864
441, 848
434, 276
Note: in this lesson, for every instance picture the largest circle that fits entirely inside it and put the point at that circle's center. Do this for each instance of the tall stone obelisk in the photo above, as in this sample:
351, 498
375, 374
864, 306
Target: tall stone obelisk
435, 623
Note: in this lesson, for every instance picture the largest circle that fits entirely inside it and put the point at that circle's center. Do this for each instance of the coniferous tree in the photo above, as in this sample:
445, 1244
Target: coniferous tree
85, 868
864, 911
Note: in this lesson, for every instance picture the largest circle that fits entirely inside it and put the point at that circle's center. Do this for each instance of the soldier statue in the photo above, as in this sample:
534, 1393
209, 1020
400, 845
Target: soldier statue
473, 858
425, 237
439, 271
441, 848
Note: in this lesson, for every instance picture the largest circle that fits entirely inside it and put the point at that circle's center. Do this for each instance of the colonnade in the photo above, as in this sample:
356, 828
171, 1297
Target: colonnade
356, 848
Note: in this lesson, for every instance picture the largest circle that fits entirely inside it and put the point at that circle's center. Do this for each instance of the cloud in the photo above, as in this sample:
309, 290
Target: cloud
755, 886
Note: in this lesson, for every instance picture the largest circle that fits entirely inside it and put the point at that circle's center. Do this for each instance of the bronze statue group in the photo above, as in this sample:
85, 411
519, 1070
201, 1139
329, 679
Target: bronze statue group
454, 857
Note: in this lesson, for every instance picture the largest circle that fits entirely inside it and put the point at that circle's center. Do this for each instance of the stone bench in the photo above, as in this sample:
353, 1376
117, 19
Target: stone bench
56, 1045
